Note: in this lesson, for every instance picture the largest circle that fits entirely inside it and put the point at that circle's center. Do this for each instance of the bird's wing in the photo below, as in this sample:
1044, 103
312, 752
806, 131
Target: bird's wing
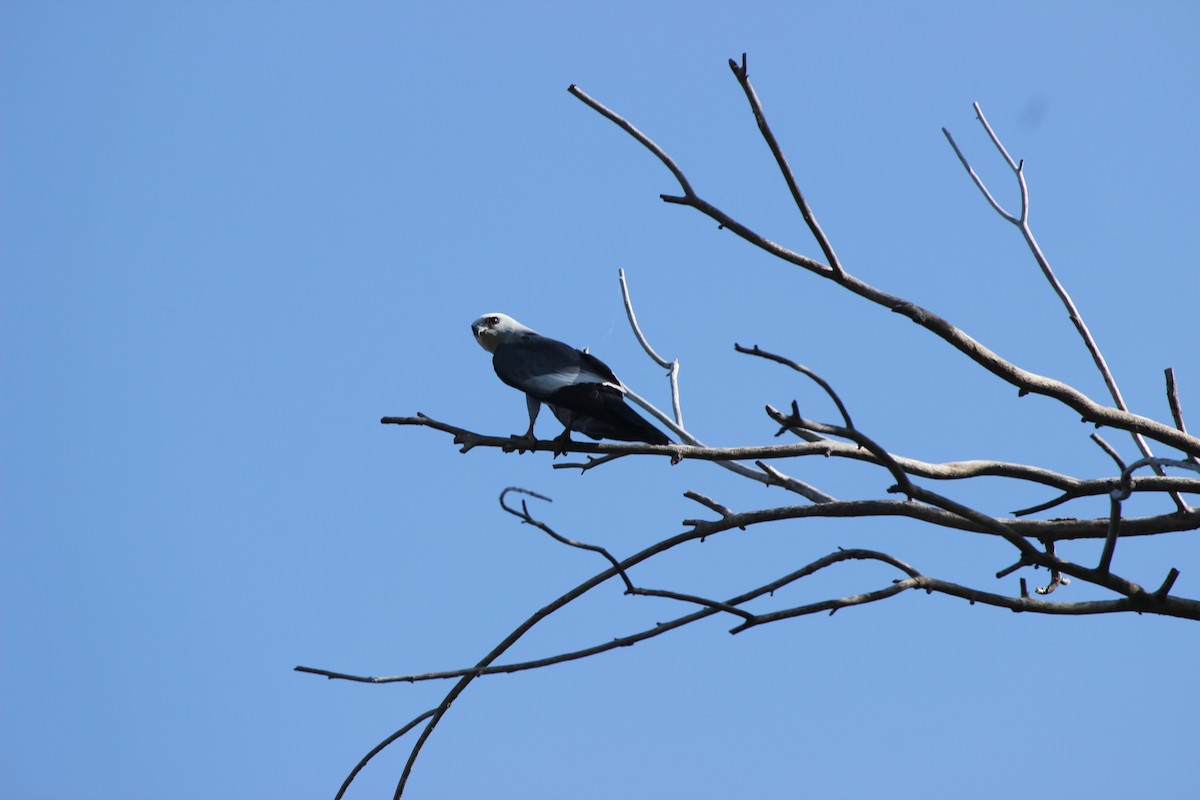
541, 366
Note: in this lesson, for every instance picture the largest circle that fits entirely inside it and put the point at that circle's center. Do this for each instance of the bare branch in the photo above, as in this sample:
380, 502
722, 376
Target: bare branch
465, 680
801, 488
637, 330
715, 605
690, 198
883, 457
377, 749
1011, 568
1173, 399
1058, 530
1105, 485
642, 138
1114, 530
831, 606
1022, 222
920, 581
953, 470
979, 181
1162, 591
1026, 381
1109, 449
743, 78
672, 366
1157, 465
989, 524
803, 370
708, 502
527, 519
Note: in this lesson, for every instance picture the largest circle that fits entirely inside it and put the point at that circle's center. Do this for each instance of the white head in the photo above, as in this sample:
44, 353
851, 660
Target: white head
494, 329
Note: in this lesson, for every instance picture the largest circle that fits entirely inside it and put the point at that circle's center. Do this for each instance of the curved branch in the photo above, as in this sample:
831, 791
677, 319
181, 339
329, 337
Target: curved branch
377, 749
671, 366
527, 519
642, 138
803, 370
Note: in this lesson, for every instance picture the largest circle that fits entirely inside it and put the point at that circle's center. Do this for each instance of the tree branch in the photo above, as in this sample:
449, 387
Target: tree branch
1022, 222
743, 78
954, 470
672, 366
1027, 382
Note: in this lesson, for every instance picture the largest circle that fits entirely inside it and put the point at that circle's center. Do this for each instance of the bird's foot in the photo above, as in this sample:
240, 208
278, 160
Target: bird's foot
562, 441
520, 442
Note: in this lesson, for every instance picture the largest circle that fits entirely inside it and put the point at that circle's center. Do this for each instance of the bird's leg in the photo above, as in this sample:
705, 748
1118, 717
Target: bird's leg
564, 438
534, 407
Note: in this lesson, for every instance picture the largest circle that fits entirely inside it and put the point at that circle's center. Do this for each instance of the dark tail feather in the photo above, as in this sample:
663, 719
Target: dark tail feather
601, 413
633, 428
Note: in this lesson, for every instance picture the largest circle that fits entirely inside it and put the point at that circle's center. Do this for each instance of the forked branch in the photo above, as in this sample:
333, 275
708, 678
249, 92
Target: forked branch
1021, 220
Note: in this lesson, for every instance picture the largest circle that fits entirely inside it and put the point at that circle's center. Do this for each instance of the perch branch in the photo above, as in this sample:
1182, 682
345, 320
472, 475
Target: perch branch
1058, 530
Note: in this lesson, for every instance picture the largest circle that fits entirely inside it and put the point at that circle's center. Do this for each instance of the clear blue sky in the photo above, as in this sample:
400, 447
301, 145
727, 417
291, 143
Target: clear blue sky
235, 235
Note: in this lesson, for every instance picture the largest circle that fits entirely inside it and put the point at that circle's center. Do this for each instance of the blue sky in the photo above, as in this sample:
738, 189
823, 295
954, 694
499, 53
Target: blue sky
233, 236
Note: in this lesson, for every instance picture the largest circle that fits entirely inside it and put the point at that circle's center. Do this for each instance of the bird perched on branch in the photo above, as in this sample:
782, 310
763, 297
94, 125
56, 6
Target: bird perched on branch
579, 388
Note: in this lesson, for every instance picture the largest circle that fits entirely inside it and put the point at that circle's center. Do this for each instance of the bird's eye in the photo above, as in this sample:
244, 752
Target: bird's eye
493, 321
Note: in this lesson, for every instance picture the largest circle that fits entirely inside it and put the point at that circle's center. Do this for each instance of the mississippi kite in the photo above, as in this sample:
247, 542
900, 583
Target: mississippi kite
579, 388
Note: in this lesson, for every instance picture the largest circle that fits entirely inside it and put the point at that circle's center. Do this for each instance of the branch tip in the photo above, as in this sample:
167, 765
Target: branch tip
1161, 592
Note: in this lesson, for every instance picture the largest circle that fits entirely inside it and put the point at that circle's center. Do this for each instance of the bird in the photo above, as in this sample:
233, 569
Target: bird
580, 389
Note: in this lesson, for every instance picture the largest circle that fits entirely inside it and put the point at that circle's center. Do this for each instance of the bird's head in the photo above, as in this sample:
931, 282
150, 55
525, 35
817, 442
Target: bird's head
493, 330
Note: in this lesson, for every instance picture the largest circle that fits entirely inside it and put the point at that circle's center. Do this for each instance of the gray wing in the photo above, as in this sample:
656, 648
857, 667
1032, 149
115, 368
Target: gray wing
540, 366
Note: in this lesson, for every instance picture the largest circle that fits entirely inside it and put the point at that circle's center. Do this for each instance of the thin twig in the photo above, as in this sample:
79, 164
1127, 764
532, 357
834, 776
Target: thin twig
803, 370
708, 502
801, 488
884, 458
743, 78
642, 138
1173, 399
671, 366
1100, 486
379, 748
465, 680
1114, 531
715, 605
1161, 592
1109, 449
1173, 402
528, 519
978, 181
1157, 464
